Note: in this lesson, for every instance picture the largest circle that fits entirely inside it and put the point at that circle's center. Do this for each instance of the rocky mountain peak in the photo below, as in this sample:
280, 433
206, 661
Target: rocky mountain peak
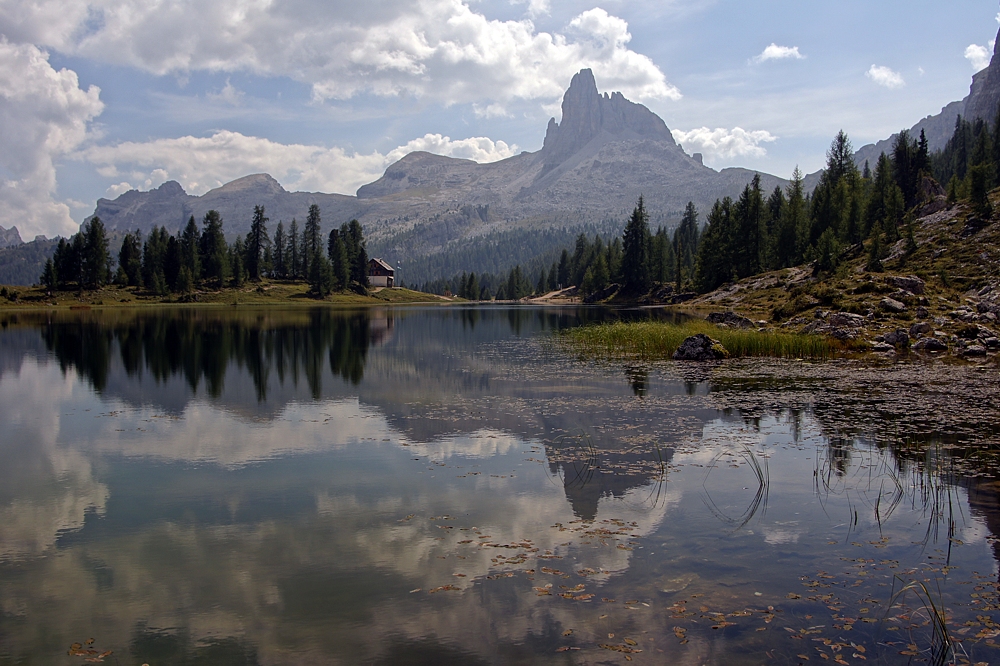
586, 114
10, 237
984, 97
258, 183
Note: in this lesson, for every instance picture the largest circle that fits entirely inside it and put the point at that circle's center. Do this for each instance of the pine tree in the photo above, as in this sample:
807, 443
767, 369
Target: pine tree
635, 260
130, 261
472, 288
96, 260
214, 250
562, 273
340, 265
280, 252
294, 251
875, 250
190, 250
311, 240
257, 243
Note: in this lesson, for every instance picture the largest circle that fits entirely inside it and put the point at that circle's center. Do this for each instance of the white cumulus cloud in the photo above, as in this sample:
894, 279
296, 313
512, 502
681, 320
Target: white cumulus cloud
775, 52
978, 55
44, 114
202, 163
438, 49
885, 77
724, 144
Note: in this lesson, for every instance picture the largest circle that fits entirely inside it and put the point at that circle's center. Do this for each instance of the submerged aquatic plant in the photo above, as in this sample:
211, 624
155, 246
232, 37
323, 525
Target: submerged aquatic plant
659, 340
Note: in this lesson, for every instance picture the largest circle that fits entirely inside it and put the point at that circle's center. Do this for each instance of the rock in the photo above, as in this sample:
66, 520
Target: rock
730, 320
846, 319
922, 312
898, 338
700, 348
683, 297
883, 348
920, 328
892, 305
910, 283
974, 351
929, 344
992, 343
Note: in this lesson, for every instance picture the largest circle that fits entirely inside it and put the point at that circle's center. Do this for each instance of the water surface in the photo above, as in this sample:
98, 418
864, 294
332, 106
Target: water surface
454, 486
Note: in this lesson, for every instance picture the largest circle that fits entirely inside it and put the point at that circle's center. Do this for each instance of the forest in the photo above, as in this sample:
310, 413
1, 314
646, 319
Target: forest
200, 257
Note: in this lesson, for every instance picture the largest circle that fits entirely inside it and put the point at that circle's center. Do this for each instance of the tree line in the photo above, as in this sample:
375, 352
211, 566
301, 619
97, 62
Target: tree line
200, 257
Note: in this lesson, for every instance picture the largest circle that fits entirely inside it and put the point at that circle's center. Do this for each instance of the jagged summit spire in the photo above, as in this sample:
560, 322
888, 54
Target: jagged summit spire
586, 114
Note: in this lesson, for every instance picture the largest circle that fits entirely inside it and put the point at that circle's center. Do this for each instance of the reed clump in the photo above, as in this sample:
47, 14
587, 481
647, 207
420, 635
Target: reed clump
658, 340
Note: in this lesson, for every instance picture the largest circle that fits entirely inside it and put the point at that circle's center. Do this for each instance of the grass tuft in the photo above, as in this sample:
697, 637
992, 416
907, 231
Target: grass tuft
656, 340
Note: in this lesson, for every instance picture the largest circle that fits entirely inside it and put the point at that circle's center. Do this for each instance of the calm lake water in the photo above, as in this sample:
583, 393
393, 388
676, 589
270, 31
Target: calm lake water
455, 486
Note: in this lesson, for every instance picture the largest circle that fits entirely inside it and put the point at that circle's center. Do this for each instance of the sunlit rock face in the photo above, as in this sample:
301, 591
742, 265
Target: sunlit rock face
586, 115
984, 97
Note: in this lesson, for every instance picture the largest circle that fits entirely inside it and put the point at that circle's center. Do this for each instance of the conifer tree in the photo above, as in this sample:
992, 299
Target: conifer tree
280, 252
257, 244
294, 251
190, 249
635, 258
130, 261
214, 250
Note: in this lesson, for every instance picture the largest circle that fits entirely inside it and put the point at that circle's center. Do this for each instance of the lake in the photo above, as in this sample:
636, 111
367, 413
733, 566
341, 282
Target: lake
457, 486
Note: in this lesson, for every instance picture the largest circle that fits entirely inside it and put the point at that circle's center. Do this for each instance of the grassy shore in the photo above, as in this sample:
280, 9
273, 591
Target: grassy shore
266, 293
656, 341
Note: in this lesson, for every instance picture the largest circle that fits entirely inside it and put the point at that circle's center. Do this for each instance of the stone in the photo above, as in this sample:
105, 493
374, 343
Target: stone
700, 347
910, 283
729, 320
974, 351
929, 344
898, 338
922, 312
992, 343
846, 320
892, 305
883, 348
920, 328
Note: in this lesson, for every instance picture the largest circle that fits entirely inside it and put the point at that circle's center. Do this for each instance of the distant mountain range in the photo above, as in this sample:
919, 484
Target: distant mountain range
591, 170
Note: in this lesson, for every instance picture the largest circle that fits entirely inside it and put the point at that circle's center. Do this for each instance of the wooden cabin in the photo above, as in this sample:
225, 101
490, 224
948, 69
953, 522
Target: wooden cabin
380, 274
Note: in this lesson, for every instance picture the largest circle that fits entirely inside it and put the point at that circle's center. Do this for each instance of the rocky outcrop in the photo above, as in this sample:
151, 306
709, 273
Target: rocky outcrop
10, 237
984, 96
586, 115
700, 347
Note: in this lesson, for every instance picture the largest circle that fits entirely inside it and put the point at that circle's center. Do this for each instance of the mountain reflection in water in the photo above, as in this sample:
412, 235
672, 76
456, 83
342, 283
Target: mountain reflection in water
454, 486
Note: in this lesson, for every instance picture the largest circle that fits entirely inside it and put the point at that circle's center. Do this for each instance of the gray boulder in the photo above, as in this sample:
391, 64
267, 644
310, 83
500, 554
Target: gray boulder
911, 283
898, 338
920, 328
729, 319
700, 347
930, 344
892, 305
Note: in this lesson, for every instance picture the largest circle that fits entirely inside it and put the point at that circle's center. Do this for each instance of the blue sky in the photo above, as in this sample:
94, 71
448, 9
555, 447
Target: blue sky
100, 97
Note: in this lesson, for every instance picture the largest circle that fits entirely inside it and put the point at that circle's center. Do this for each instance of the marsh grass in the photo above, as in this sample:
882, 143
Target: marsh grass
656, 340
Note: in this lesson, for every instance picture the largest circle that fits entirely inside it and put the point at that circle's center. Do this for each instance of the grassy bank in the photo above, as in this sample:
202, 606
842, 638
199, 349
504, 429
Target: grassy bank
267, 293
656, 341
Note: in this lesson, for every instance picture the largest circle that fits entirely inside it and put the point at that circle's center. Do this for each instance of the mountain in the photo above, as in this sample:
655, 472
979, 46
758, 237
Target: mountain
10, 237
983, 101
441, 215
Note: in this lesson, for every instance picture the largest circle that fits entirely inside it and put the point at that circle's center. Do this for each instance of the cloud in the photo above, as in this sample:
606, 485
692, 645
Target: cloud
437, 49
884, 76
117, 190
979, 56
202, 163
722, 144
775, 52
44, 114
228, 95
535, 7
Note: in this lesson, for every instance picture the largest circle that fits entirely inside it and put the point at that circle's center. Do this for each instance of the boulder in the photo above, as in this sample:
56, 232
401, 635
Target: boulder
974, 351
920, 328
892, 305
910, 283
846, 320
700, 347
883, 348
930, 344
898, 338
992, 343
730, 320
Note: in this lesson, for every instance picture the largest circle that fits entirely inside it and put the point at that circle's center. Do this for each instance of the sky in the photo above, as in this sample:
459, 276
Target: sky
100, 97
